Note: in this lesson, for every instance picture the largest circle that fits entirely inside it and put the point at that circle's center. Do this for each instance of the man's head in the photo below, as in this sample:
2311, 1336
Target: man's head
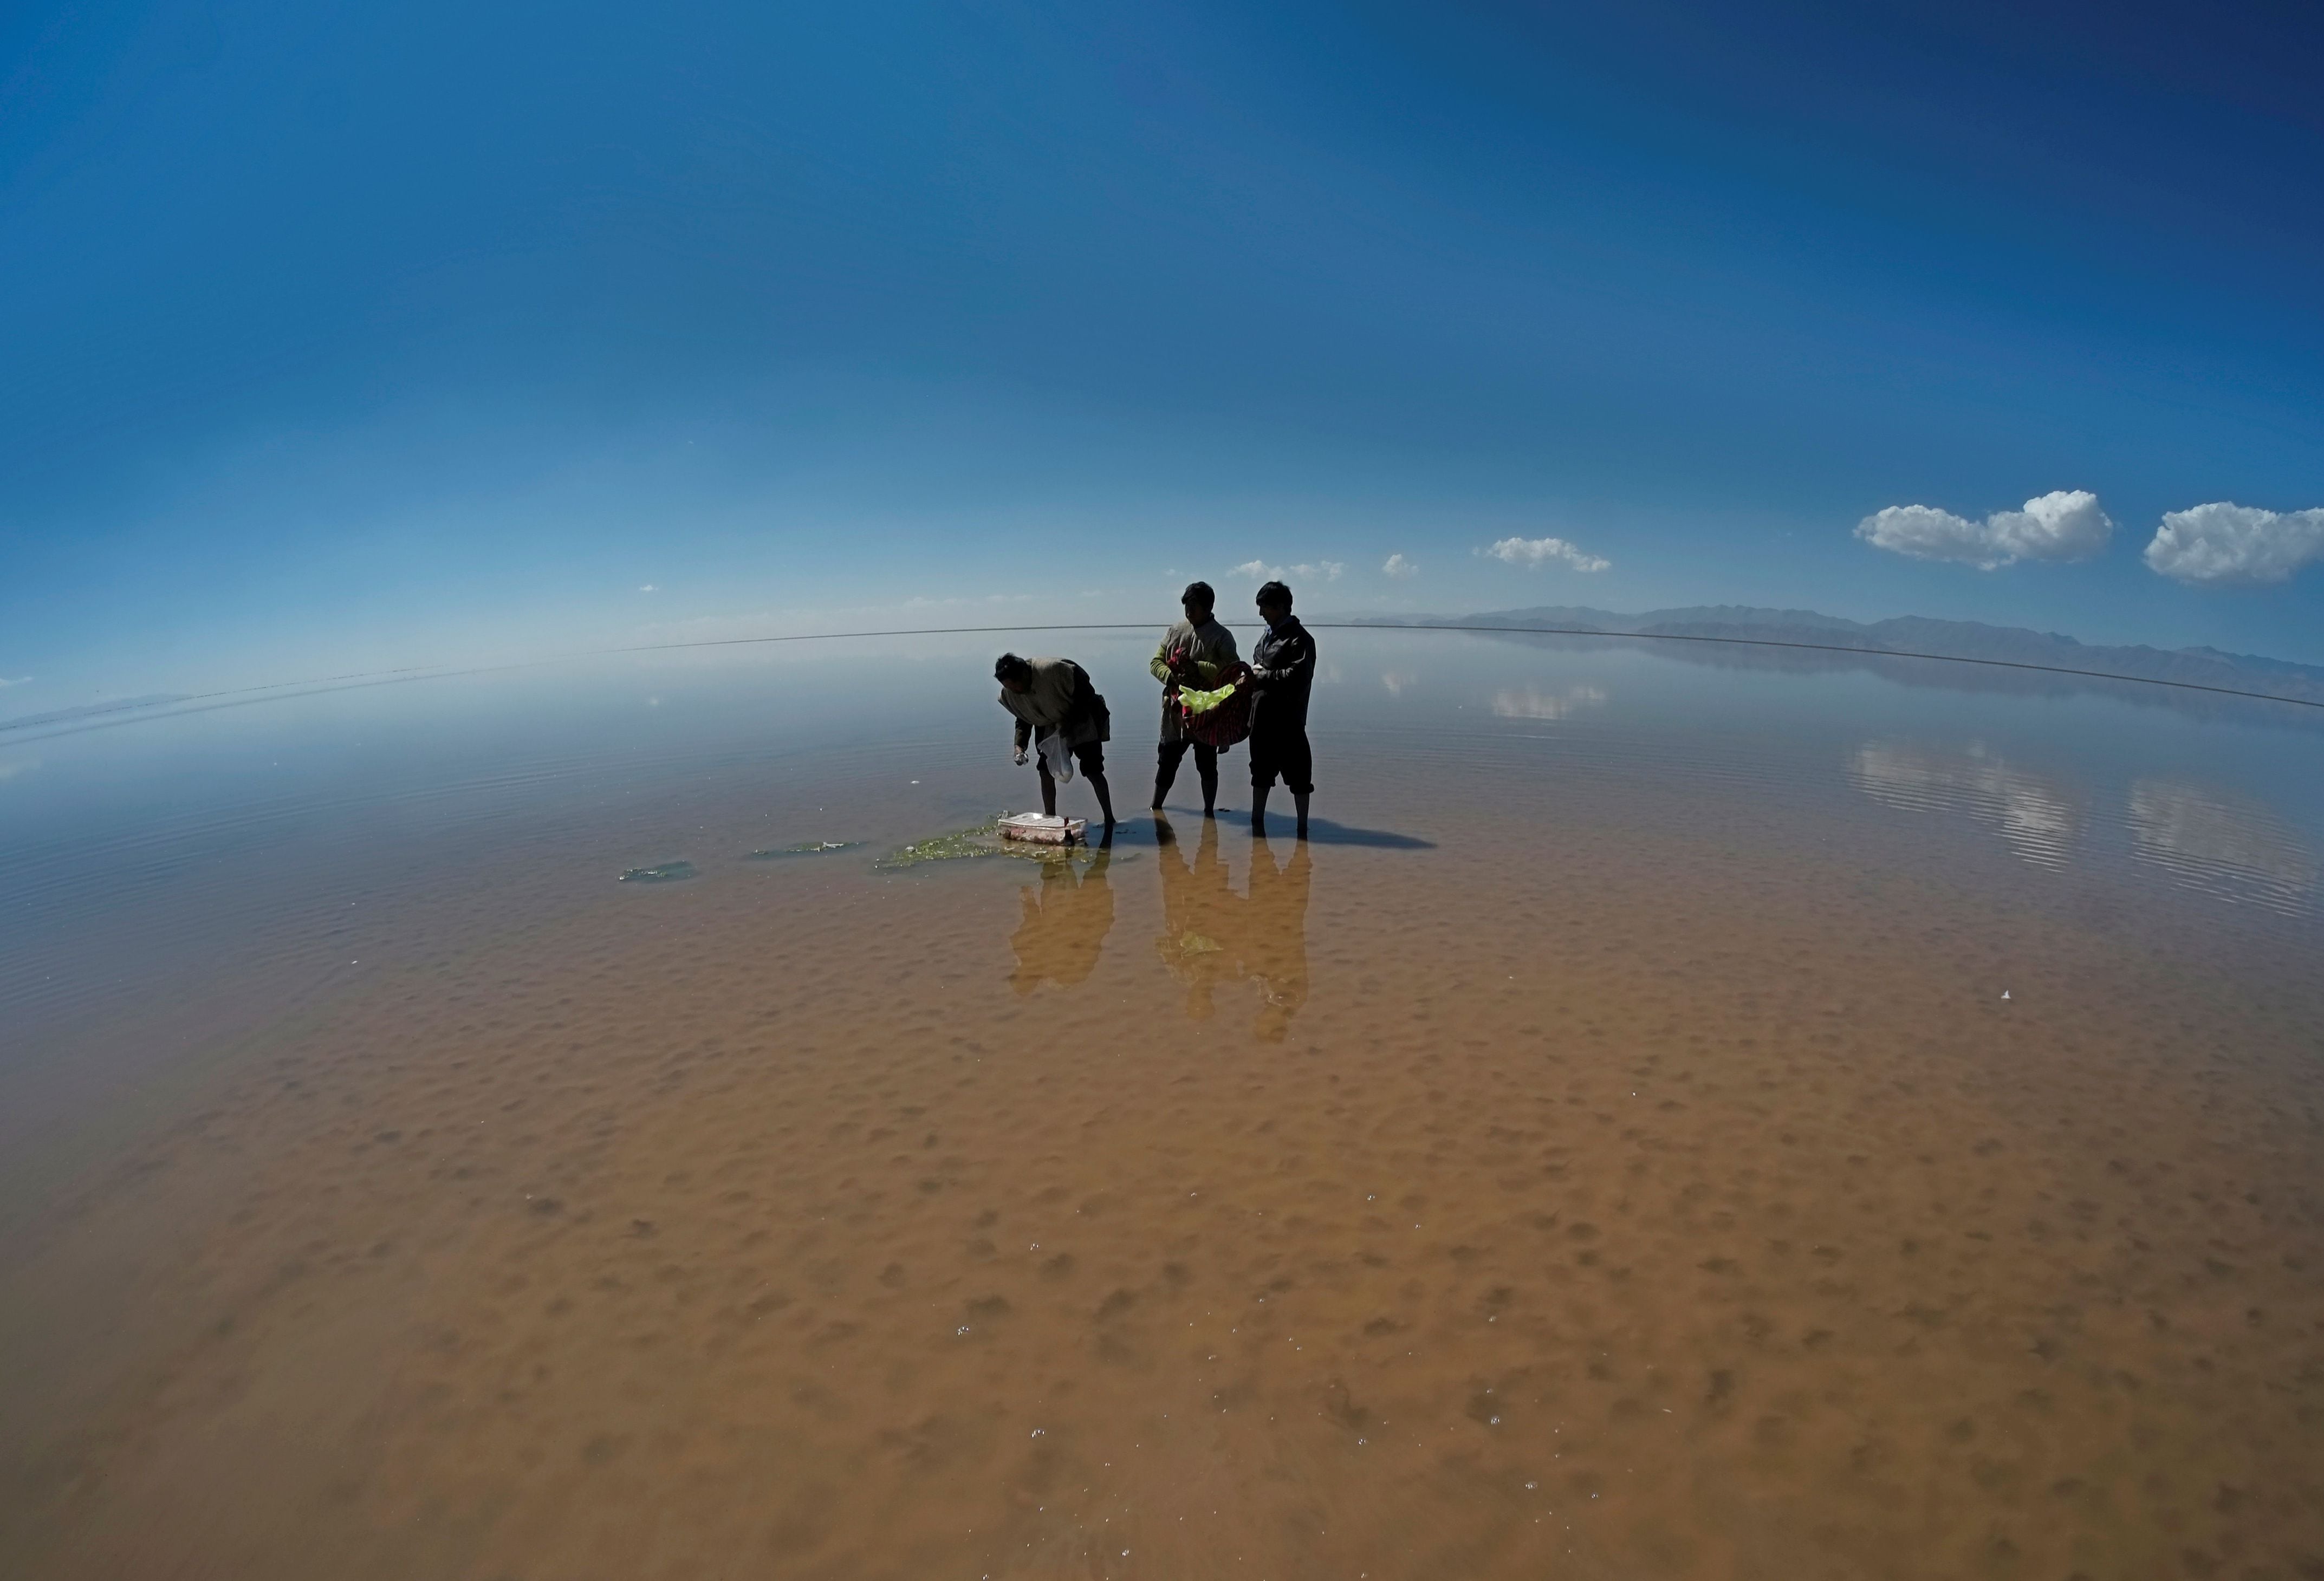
1198, 601
1013, 673
1275, 603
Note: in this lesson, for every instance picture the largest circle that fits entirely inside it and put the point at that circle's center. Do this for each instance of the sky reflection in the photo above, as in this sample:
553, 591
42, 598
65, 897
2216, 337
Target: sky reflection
2227, 846
2038, 817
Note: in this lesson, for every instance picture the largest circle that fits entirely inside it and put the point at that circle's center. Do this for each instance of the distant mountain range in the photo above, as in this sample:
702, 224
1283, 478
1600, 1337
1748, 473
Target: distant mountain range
1908, 635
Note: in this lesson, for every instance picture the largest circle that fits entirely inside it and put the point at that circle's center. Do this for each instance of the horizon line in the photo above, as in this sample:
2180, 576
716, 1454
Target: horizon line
96, 718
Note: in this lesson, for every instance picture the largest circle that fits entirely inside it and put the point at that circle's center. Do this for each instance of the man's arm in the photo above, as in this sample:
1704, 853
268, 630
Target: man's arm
1298, 653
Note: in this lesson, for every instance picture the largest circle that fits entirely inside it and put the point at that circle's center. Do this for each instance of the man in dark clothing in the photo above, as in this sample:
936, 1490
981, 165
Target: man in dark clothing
1193, 654
1053, 701
1282, 674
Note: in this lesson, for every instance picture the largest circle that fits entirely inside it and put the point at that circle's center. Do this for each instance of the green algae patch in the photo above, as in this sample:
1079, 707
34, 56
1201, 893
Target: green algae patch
814, 848
664, 873
961, 845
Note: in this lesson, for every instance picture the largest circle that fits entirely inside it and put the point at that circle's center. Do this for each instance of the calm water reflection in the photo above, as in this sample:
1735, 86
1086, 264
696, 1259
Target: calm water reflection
1213, 937
1065, 918
2037, 816
1532, 702
2230, 846
2225, 845
1604, 1151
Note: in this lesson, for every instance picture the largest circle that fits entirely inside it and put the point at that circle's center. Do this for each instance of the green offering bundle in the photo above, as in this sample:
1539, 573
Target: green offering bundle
1203, 702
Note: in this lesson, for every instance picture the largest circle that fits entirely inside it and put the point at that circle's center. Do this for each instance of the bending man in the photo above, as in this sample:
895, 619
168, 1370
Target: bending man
1192, 653
1282, 674
1053, 702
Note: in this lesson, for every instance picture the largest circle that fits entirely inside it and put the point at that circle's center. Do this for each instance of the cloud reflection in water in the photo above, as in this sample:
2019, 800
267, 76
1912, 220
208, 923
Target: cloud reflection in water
2036, 816
1531, 702
2235, 848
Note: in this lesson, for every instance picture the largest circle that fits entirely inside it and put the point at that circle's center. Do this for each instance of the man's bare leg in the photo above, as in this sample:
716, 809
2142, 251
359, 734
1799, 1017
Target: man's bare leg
1166, 769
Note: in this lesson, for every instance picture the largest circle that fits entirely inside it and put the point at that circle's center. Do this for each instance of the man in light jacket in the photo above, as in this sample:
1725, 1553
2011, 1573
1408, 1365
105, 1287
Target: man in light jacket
1053, 697
1187, 648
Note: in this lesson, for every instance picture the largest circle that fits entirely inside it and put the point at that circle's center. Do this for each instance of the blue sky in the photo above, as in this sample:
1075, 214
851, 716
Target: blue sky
334, 337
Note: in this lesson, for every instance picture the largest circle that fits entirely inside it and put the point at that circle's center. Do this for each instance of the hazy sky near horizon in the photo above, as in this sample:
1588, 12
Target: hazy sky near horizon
335, 338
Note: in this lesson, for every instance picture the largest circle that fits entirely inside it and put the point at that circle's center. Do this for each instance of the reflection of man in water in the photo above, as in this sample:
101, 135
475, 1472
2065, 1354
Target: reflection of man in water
1197, 914
1212, 936
1275, 938
1066, 917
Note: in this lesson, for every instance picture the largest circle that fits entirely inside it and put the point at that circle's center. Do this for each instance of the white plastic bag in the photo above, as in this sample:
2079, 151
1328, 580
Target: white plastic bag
1057, 758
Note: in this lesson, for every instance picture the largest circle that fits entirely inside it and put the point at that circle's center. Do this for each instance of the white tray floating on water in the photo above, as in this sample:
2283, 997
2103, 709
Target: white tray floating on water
1037, 829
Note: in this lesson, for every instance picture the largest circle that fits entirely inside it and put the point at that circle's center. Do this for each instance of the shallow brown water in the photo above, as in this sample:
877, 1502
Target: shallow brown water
1605, 1152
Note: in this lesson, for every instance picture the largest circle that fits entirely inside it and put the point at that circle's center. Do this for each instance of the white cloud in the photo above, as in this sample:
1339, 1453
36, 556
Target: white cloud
2231, 546
1321, 571
923, 601
10, 767
649, 587
1531, 702
2064, 525
1402, 569
1533, 552
14, 681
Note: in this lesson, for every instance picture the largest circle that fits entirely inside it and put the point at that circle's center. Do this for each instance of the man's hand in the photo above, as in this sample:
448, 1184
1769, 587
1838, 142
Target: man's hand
1019, 758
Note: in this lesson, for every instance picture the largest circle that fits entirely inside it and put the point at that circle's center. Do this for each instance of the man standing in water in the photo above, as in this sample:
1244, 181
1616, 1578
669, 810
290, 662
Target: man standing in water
1188, 646
1052, 699
1282, 674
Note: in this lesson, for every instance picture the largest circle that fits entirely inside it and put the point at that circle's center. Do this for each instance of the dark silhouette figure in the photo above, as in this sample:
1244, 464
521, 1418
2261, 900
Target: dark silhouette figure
1054, 706
1192, 653
1282, 675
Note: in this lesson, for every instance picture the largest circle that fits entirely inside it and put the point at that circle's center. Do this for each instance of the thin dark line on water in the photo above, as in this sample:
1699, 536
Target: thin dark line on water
246, 696
105, 718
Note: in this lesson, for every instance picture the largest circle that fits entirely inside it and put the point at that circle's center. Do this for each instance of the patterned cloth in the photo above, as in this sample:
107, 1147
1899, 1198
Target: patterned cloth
1217, 718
